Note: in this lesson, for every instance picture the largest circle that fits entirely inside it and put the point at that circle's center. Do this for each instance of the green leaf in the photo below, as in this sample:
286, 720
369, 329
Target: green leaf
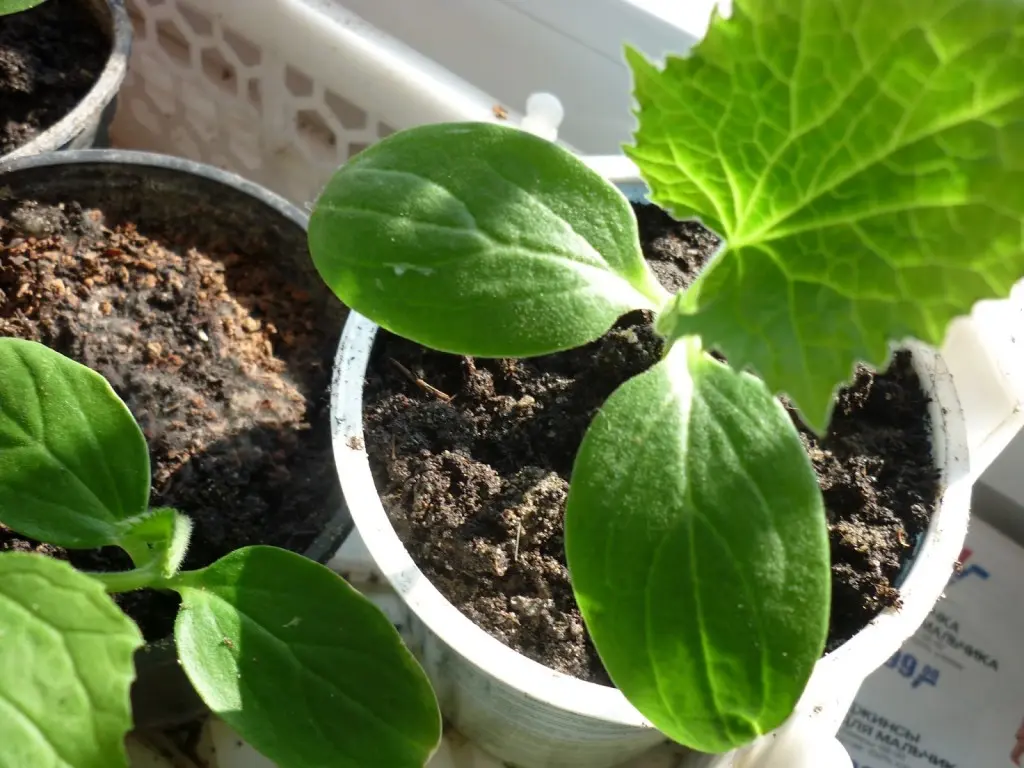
697, 543
73, 462
480, 239
161, 535
66, 667
863, 159
15, 6
305, 668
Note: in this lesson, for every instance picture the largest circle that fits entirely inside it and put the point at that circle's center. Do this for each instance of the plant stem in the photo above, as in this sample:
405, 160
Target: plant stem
137, 551
128, 581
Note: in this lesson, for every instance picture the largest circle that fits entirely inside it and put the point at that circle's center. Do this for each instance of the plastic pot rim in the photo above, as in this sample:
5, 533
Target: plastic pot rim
156, 160
102, 93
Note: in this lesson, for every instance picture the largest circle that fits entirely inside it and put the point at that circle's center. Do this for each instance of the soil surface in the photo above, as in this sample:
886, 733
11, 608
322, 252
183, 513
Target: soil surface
219, 352
50, 56
476, 486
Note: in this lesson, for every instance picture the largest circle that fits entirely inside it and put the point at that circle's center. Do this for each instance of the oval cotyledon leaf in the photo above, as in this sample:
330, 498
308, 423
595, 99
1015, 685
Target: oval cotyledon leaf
74, 465
305, 668
480, 239
698, 549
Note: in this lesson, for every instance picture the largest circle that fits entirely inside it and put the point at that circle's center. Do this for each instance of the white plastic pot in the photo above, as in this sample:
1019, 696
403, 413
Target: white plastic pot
533, 717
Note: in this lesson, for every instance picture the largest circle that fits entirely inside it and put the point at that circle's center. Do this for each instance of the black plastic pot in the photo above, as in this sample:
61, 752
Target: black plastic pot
87, 125
147, 188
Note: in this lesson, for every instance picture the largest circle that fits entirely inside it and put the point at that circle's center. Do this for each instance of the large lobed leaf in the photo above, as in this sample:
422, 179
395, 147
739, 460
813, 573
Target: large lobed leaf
480, 239
305, 668
697, 543
74, 466
66, 667
864, 161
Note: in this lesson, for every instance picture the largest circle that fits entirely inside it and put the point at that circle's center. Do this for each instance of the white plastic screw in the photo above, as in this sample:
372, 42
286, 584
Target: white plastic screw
544, 114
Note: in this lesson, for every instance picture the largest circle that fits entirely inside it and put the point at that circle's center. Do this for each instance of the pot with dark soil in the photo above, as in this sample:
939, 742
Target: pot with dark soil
190, 291
567, 491
61, 65
456, 471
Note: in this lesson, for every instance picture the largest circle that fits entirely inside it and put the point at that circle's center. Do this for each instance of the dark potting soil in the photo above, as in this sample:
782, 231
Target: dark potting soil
50, 57
476, 485
221, 355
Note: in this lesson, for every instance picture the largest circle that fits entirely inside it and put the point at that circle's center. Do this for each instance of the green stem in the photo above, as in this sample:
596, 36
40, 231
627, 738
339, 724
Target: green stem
128, 581
138, 551
693, 346
666, 348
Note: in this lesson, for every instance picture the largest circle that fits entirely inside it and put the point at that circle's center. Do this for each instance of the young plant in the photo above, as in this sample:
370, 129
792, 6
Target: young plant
299, 663
863, 162
15, 6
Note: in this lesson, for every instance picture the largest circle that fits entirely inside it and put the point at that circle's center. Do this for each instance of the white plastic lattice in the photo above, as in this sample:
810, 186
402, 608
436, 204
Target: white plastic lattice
279, 91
